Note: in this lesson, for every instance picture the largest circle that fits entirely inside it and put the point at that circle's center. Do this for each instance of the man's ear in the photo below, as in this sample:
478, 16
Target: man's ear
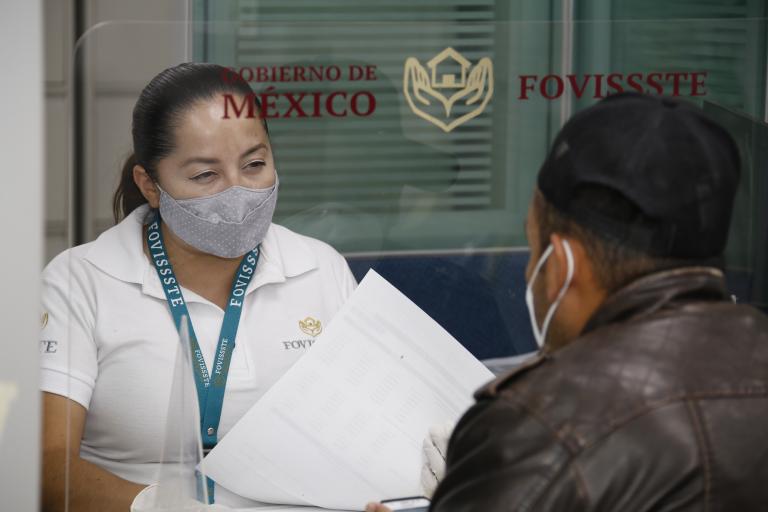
557, 265
146, 185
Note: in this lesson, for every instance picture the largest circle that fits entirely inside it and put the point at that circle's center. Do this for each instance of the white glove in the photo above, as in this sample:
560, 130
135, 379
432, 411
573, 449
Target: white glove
146, 501
434, 448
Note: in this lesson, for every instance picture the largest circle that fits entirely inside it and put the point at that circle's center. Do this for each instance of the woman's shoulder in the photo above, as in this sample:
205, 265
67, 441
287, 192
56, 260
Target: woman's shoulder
289, 239
67, 261
114, 252
300, 254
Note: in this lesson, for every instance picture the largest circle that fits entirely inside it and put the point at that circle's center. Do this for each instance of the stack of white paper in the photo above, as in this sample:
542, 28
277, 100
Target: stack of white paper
283, 508
344, 426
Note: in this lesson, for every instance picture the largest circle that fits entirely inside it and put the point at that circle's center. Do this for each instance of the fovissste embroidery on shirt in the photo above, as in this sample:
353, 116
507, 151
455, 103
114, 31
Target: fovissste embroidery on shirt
298, 344
310, 326
49, 346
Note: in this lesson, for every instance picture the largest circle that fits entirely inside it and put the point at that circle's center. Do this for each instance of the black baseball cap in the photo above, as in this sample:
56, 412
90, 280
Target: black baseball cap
650, 172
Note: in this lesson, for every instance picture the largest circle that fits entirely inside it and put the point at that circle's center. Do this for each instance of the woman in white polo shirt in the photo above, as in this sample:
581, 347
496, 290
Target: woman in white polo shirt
196, 239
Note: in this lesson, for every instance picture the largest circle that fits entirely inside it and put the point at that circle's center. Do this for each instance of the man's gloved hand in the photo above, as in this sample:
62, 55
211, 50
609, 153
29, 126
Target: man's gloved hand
434, 448
146, 501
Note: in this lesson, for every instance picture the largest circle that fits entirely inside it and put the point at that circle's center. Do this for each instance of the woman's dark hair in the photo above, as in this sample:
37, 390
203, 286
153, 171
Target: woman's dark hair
155, 116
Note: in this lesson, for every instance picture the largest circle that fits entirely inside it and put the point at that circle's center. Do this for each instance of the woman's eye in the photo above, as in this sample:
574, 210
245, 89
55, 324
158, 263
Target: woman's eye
203, 175
255, 164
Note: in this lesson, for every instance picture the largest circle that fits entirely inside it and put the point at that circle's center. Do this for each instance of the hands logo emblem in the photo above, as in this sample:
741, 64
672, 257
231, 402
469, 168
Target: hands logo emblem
311, 326
452, 79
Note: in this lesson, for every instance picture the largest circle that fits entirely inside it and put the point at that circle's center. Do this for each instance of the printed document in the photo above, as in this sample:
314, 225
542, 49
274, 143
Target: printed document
344, 426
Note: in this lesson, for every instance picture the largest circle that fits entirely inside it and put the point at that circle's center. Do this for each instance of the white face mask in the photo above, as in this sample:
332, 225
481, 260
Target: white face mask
541, 335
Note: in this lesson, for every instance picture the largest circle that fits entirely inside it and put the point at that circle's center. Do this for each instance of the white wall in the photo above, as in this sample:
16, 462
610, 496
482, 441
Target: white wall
21, 219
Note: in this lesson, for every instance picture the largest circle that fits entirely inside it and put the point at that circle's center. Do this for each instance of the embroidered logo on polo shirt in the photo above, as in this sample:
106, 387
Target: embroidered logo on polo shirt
44, 320
311, 326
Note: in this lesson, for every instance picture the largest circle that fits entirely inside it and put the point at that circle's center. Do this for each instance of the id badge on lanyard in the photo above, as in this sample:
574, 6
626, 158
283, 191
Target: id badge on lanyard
212, 383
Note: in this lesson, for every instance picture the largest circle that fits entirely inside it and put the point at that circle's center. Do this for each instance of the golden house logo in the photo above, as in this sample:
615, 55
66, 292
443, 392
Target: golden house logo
311, 326
452, 92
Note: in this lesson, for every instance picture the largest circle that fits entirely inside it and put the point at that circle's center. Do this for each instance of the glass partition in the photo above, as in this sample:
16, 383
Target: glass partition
412, 145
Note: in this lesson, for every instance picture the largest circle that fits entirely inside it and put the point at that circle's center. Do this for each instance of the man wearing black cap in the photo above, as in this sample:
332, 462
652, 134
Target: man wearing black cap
650, 391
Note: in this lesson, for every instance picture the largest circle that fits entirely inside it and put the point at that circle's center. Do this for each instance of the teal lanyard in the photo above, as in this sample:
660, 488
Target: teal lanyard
210, 385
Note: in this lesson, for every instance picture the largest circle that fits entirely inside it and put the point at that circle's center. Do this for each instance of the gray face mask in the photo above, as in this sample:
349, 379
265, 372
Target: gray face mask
227, 224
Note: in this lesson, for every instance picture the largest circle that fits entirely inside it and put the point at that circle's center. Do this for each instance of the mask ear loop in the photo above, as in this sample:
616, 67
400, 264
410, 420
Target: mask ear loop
540, 335
529, 294
563, 290
160, 189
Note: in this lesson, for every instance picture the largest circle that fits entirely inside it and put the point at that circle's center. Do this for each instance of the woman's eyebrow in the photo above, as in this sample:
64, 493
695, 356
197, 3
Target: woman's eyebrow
208, 161
255, 148
199, 160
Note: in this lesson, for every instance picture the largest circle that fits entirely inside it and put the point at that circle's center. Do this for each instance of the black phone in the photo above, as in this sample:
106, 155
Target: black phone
412, 504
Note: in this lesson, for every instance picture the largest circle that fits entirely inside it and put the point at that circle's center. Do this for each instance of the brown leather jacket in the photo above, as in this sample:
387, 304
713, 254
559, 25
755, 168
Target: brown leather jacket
661, 404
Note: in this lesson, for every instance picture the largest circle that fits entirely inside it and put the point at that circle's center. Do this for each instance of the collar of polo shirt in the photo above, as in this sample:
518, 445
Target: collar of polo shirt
119, 253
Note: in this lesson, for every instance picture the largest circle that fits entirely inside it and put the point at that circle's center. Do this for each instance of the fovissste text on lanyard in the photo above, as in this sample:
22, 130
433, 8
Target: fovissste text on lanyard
210, 384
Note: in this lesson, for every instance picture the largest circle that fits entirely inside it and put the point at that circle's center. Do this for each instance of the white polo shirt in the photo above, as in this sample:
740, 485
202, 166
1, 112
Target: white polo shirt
109, 340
